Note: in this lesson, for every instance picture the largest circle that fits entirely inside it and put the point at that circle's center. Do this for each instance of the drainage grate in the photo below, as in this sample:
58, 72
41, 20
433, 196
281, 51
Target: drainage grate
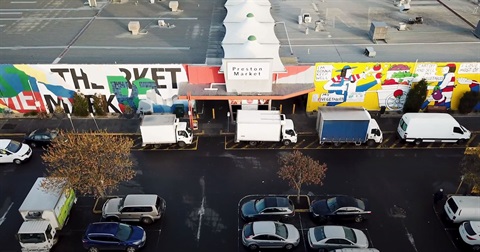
9, 126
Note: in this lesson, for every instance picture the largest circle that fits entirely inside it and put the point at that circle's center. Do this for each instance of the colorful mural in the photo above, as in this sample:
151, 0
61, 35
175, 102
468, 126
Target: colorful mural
26, 88
373, 85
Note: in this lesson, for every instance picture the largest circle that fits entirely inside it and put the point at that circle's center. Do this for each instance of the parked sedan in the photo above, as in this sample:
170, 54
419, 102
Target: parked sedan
470, 233
113, 236
40, 137
270, 234
335, 237
340, 208
12, 151
268, 208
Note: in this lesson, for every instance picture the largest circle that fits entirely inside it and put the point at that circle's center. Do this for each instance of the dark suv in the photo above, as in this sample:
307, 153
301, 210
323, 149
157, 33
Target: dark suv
113, 236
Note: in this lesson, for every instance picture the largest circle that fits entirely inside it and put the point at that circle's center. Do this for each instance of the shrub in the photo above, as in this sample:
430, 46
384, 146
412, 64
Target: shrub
80, 105
416, 96
468, 102
99, 105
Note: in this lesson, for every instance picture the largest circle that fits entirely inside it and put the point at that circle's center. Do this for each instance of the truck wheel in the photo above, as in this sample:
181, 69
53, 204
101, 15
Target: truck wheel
131, 249
17, 161
371, 142
181, 144
418, 141
157, 146
146, 220
287, 142
336, 144
252, 143
92, 249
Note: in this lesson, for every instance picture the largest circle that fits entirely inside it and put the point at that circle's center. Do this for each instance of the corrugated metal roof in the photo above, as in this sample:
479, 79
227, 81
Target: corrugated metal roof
344, 113
32, 226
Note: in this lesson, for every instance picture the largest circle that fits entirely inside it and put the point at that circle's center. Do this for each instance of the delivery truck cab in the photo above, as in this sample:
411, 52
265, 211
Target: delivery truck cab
44, 213
431, 127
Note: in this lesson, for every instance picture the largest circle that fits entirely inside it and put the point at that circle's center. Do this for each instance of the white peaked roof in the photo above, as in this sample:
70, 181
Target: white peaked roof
257, 2
239, 32
253, 50
238, 12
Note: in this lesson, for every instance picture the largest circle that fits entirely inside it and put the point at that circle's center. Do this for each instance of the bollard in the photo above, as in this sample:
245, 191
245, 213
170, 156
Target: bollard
281, 108
293, 110
213, 113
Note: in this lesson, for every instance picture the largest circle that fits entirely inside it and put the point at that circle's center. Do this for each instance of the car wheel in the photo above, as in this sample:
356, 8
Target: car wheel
33, 145
476, 247
131, 249
146, 220
288, 246
461, 141
17, 161
93, 249
358, 218
253, 247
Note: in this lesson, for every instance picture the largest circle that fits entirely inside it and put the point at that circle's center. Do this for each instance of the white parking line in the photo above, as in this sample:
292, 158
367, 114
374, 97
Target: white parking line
2, 219
11, 13
23, 2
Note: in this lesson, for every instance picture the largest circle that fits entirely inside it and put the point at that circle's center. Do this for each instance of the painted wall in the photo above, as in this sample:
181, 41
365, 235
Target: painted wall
26, 88
373, 85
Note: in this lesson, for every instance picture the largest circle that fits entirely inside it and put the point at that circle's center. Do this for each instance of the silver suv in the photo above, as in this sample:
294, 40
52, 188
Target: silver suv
145, 208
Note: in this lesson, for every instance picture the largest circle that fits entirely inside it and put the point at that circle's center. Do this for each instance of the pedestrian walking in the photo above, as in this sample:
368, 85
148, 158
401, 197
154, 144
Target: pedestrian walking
438, 196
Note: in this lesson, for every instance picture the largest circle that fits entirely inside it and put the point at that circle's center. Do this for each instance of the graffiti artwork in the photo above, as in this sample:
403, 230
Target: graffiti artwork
376, 85
25, 88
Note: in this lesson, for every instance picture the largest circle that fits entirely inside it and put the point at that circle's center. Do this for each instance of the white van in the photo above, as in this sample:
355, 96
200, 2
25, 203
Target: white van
431, 127
462, 208
12, 151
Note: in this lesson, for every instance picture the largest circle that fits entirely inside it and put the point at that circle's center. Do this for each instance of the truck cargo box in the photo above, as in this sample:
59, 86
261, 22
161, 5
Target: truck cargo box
343, 124
258, 125
158, 129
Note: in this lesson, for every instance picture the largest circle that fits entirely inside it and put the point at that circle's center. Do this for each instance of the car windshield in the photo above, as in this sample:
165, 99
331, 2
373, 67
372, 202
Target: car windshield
32, 238
14, 146
124, 232
120, 204
260, 205
350, 235
360, 204
319, 233
32, 133
332, 204
281, 230
468, 228
248, 230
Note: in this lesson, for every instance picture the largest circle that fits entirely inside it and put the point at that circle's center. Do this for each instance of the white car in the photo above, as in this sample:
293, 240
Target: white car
470, 233
335, 237
12, 151
270, 234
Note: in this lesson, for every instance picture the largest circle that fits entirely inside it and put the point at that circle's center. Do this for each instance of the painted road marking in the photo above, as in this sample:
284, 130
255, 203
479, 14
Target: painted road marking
2, 219
23, 2
11, 13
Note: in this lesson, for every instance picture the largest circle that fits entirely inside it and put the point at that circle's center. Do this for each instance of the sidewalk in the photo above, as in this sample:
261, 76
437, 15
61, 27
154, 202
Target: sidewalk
304, 124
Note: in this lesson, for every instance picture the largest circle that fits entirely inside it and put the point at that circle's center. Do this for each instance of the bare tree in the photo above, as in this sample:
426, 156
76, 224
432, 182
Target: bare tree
470, 166
92, 163
299, 169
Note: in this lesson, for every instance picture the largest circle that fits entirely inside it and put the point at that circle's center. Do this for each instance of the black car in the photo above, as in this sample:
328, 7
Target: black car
40, 137
340, 208
273, 208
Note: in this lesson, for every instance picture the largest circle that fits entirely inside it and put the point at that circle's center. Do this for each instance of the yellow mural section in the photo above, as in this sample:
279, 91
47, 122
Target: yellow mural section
373, 85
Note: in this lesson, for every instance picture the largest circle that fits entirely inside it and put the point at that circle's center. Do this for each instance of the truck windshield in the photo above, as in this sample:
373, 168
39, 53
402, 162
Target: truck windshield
32, 238
14, 146
189, 131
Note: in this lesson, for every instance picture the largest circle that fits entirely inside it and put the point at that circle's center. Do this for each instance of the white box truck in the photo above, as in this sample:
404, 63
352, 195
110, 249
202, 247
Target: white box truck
255, 126
431, 127
44, 213
347, 125
165, 129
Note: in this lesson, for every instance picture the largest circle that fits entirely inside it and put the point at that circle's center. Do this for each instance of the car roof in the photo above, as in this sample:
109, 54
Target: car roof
102, 228
263, 227
334, 231
43, 130
276, 202
347, 201
140, 200
4, 143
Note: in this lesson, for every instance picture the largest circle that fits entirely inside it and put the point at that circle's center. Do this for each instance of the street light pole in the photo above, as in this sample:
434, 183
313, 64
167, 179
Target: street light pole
71, 122
228, 122
91, 114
